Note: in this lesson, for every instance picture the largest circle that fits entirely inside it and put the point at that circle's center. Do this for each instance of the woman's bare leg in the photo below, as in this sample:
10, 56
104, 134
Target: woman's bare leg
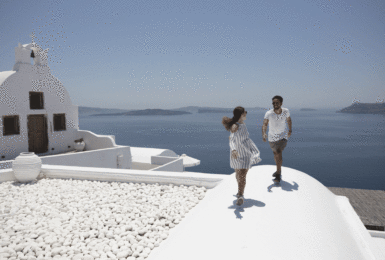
242, 181
237, 177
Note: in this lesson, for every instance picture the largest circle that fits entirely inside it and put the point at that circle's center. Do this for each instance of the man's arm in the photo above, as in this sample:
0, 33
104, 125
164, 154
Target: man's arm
289, 124
264, 128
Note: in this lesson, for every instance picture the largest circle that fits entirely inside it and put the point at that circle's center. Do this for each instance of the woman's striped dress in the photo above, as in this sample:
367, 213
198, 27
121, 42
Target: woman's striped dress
248, 153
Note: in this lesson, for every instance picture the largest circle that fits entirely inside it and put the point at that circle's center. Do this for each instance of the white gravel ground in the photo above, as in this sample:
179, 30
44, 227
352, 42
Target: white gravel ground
77, 219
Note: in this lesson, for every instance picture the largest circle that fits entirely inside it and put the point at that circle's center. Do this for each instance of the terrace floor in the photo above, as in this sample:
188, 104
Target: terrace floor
300, 219
368, 204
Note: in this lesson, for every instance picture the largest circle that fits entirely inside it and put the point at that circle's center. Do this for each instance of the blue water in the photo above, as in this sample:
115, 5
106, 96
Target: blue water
339, 150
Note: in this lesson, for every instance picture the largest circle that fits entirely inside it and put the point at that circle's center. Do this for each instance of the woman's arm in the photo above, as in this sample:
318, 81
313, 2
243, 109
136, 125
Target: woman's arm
234, 143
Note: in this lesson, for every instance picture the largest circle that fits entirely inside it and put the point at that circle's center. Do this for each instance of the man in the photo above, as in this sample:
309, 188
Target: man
278, 135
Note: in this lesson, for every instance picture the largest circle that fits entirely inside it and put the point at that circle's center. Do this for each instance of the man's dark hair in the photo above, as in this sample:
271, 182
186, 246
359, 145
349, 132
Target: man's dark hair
279, 98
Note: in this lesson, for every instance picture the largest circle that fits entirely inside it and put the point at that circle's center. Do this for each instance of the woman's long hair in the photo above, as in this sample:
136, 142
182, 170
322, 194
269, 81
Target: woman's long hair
228, 122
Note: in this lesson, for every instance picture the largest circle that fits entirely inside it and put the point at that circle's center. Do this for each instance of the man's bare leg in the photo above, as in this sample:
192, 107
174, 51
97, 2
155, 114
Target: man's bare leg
278, 159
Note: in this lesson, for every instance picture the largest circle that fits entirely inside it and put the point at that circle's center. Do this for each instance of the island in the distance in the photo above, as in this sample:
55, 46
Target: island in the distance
226, 110
308, 109
364, 108
147, 112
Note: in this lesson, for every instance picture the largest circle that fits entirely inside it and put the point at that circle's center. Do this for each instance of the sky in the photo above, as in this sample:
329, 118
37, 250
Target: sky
132, 54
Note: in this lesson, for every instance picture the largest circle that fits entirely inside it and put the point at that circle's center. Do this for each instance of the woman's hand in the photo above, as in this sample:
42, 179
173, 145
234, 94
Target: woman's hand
234, 154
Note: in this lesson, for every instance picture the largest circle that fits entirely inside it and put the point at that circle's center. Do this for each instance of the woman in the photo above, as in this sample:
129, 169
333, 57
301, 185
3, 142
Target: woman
243, 151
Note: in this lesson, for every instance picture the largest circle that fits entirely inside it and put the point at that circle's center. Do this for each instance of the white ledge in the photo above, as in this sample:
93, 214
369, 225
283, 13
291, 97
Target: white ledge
128, 175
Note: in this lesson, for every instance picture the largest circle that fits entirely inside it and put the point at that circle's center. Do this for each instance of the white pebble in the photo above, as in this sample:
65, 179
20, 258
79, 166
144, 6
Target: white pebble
75, 219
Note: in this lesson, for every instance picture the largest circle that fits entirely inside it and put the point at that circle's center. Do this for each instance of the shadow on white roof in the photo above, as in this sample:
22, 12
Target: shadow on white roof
302, 219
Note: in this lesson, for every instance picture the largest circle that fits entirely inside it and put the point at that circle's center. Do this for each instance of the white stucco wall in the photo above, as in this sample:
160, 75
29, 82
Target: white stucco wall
94, 141
143, 155
14, 100
161, 160
103, 158
115, 157
174, 166
122, 175
6, 164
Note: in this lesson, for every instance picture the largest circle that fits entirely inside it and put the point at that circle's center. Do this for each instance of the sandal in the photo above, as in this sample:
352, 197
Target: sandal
277, 178
240, 200
275, 174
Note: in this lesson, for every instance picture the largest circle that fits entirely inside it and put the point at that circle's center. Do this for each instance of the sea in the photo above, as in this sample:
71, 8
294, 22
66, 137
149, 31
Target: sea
337, 149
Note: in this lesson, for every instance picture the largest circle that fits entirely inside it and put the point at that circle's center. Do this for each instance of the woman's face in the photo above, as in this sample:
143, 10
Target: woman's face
243, 117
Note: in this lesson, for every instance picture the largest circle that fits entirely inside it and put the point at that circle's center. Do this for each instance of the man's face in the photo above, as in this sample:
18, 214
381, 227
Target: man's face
276, 104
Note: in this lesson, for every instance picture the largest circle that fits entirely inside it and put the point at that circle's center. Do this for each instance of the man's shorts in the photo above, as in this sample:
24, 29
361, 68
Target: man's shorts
279, 145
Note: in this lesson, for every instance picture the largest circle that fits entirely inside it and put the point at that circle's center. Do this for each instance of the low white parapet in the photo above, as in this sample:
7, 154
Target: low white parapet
122, 175
7, 175
115, 157
143, 154
174, 164
161, 160
94, 141
6, 164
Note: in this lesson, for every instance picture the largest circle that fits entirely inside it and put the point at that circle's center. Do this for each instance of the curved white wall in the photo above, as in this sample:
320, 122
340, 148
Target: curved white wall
143, 155
94, 141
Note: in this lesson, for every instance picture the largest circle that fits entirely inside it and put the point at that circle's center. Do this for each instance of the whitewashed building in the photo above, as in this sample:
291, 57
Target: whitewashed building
37, 115
36, 110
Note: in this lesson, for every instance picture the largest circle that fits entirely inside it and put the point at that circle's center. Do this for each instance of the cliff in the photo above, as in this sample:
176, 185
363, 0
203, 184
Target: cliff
364, 108
93, 110
147, 112
226, 110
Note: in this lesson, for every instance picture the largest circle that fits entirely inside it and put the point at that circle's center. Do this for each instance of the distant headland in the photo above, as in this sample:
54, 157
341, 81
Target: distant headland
226, 110
364, 108
95, 111
308, 109
147, 112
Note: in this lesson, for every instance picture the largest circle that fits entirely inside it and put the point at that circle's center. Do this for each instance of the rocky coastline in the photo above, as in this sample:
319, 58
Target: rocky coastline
364, 108
146, 112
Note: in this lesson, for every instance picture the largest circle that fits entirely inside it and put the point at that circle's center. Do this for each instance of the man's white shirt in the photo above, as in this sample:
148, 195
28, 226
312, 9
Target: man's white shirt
277, 124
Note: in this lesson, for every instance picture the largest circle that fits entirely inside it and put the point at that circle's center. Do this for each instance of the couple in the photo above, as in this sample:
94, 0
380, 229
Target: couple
245, 153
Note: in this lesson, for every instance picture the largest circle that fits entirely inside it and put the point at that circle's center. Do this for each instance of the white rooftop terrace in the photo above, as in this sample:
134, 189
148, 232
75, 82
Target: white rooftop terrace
301, 219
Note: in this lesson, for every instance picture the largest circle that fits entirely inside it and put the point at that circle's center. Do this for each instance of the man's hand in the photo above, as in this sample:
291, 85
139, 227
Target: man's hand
289, 134
234, 154
264, 136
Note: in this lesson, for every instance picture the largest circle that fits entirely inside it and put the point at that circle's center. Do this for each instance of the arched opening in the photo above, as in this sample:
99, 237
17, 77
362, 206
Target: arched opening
32, 57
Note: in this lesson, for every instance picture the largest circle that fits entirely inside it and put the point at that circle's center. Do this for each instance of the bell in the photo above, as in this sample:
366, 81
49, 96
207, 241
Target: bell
32, 54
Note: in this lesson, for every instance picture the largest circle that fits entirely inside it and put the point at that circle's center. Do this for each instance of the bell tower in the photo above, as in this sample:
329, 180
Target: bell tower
31, 54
